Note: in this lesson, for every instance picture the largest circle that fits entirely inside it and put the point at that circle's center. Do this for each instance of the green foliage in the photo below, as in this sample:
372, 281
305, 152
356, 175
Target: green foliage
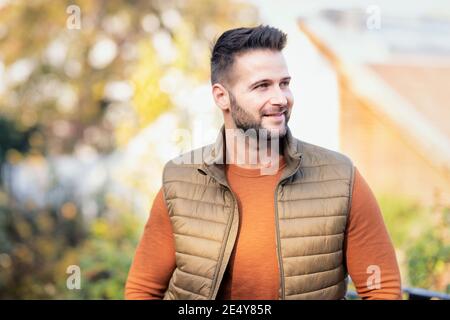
36, 251
104, 258
429, 257
31, 245
403, 217
421, 235
13, 138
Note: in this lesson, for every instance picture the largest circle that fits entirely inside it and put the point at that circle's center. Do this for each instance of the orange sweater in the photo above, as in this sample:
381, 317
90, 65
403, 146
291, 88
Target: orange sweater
253, 272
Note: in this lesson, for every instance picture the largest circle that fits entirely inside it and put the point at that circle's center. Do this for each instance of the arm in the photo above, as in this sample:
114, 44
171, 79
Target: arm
154, 261
368, 248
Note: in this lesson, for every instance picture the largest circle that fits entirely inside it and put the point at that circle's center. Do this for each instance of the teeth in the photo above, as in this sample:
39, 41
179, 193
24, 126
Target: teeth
274, 114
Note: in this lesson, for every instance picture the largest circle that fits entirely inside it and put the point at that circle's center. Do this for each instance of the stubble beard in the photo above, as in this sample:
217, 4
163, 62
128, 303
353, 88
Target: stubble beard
245, 121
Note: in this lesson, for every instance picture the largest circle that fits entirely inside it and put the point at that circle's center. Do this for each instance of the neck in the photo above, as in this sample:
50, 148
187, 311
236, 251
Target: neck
251, 151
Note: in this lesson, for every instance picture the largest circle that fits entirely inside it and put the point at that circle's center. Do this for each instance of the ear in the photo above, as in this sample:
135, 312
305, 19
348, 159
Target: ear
221, 96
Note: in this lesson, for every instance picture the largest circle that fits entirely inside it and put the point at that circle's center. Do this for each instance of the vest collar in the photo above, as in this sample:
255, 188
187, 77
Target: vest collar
214, 156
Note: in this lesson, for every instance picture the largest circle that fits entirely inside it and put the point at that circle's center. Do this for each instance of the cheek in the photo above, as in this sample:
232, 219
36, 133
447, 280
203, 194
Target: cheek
254, 104
290, 98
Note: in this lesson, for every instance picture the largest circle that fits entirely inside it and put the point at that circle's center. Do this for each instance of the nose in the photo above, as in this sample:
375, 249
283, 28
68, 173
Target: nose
278, 98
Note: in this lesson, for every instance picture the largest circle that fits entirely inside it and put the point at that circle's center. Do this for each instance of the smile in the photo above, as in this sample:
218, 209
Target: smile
275, 116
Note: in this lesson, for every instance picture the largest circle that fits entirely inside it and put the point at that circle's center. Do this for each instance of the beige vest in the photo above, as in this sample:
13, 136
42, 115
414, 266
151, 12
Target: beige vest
312, 202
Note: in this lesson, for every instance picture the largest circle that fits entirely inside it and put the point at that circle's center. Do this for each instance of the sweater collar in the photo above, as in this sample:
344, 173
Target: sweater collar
214, 156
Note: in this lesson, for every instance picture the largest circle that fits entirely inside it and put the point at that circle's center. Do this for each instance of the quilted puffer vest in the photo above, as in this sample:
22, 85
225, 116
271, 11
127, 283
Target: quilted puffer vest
312, 202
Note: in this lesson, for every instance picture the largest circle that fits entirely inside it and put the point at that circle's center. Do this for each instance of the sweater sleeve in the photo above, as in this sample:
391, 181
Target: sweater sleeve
370, 256
154, 260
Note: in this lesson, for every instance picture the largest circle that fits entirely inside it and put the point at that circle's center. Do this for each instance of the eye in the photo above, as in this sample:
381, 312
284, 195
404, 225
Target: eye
284, 84
262, 85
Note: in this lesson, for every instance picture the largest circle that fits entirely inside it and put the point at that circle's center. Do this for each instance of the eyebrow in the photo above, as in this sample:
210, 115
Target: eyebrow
267, 80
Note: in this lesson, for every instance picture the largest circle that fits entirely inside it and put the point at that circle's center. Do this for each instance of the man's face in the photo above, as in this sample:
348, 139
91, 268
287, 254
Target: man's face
260, 97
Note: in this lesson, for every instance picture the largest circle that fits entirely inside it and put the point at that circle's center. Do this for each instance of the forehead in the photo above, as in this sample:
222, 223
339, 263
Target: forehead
256, 65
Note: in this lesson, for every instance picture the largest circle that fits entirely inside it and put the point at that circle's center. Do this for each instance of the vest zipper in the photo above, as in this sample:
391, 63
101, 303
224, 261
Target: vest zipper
214, 286
278, 240
277, 223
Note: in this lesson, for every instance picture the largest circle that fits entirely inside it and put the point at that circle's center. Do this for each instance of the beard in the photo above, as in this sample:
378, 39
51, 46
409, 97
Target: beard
245, 121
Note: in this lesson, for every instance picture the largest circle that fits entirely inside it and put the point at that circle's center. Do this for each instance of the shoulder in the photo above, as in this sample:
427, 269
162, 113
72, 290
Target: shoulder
186, 165
314, 155
324, 163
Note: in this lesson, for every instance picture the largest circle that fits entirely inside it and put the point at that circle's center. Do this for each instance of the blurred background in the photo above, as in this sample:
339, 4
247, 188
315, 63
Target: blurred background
95, 96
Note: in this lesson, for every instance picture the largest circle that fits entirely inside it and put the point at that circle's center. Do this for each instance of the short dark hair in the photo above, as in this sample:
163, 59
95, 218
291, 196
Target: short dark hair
235, 41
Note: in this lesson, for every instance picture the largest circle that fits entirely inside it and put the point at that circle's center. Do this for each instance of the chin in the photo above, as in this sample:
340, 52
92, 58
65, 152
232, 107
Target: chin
276, 132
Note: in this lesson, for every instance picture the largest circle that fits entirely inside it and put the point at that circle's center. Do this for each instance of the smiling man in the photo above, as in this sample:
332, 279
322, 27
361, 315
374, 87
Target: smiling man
227, 227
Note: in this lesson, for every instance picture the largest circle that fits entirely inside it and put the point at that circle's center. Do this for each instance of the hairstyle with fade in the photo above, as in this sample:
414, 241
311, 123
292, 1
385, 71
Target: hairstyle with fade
240, 40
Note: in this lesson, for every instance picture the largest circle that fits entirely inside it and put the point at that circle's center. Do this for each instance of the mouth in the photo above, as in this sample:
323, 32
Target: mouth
275, 116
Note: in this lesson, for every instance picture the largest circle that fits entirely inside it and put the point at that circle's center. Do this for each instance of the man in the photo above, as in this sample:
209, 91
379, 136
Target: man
290, 222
